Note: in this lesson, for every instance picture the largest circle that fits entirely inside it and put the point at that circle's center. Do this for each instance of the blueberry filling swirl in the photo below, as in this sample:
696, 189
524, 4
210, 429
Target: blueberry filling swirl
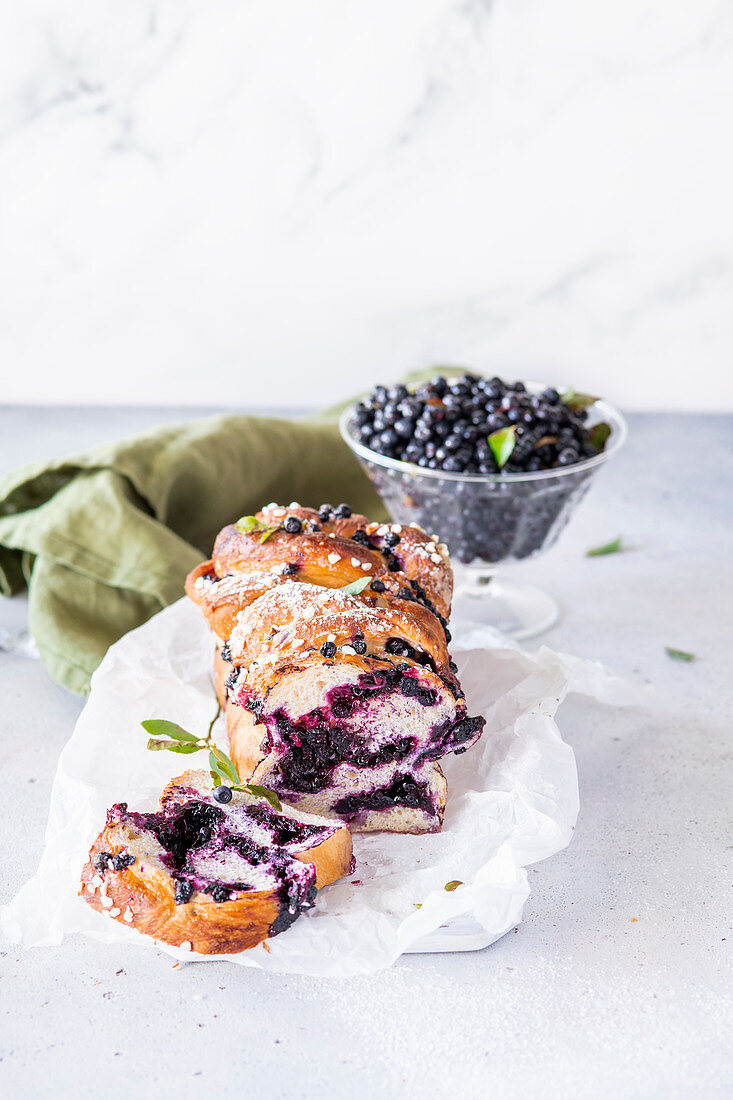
311, 748
199, 838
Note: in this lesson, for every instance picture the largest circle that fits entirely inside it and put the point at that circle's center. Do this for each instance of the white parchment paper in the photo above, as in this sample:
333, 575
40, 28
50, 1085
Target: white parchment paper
513, 800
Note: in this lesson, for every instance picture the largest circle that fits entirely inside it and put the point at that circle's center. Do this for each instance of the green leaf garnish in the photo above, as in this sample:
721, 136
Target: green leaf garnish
220, 762
576, 401
502, 444
262, 792
679, 654
598, 435
612, 547
453, 884
247, 524
159, 727
171, 746
222, 768
355, 587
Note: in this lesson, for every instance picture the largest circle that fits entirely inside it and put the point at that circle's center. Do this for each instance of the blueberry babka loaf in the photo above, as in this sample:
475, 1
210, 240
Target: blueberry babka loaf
212, 877
332, 663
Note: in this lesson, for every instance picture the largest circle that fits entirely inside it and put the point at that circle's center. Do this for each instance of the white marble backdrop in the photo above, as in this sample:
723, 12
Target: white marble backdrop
272, 202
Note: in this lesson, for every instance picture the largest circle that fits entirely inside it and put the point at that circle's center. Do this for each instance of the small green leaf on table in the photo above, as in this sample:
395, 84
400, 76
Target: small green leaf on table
612, 547
679, 654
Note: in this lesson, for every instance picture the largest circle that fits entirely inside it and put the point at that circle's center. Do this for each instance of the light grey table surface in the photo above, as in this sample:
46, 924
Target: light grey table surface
618, 981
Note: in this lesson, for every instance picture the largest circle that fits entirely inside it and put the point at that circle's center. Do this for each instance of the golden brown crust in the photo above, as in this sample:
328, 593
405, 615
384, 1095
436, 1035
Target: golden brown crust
285, 623
245, 738
242, 567
237, 551
144, 894
332, 857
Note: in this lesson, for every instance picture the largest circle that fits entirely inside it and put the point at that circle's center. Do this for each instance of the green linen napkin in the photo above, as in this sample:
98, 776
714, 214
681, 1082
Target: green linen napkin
104, 540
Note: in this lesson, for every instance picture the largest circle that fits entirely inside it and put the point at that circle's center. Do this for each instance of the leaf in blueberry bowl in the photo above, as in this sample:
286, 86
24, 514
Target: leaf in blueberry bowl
577, 401
598, 435
502, 443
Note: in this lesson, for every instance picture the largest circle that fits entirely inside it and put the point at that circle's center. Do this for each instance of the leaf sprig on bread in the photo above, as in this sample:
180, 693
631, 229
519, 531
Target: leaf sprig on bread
170, 736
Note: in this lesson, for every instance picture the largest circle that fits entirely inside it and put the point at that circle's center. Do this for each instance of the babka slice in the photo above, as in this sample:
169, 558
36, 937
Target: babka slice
208, 875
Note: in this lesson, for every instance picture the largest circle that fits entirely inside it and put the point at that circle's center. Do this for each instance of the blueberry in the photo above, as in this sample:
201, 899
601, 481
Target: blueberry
361, 537
183, 892
289, 569
402, 428
101, 860
328, 649
220, 892
343, 511
359, 644
378, 586
341, 708
223, 794
121, 860
410, 686
567, 457
324, 512
293, 525
391, 538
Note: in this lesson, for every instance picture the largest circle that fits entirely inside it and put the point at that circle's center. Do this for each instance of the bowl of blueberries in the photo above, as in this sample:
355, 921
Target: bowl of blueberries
494, 468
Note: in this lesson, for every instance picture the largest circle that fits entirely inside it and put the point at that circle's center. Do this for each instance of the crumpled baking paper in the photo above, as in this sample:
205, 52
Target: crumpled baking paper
513, 800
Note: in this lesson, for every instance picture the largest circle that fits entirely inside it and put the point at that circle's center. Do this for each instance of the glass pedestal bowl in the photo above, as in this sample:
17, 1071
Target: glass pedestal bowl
491, 520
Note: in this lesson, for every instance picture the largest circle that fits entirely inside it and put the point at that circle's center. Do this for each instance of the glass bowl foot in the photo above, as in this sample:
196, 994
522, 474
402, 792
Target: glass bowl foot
517, 609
